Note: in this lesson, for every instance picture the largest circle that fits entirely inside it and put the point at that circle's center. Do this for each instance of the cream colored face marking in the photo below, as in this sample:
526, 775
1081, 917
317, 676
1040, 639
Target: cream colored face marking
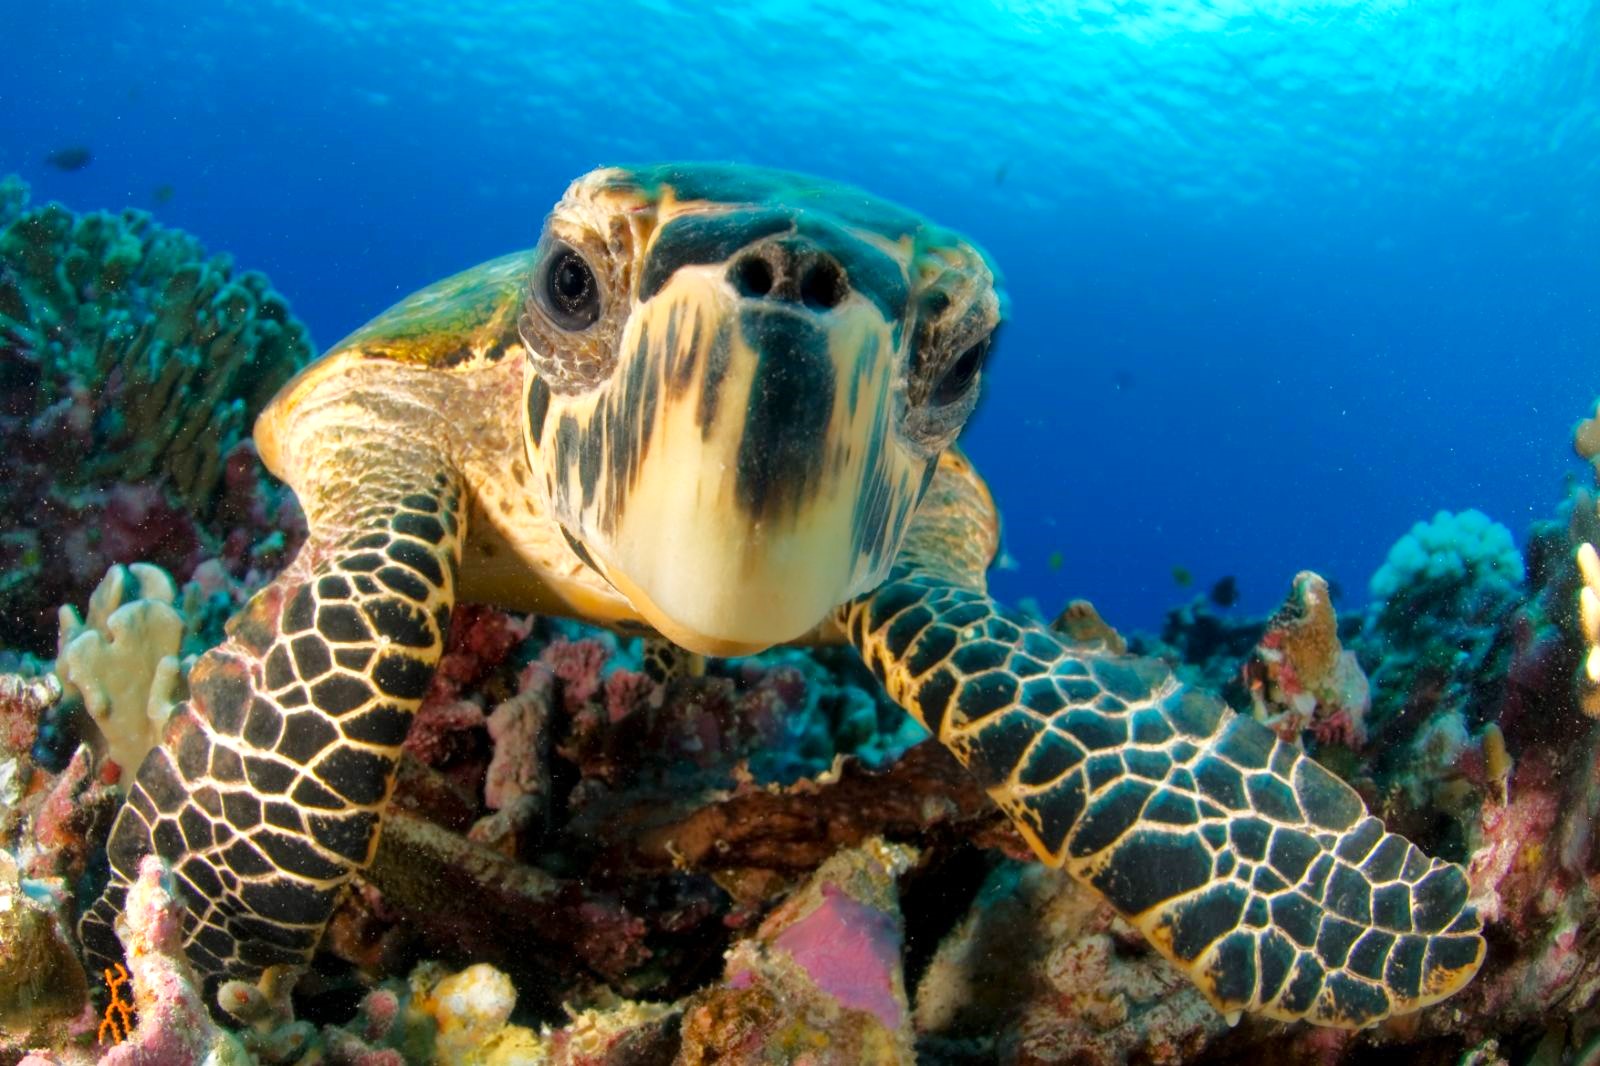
721, 410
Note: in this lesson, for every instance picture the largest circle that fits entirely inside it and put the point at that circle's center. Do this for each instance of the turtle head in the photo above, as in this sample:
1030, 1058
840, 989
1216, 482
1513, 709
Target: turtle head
742, 382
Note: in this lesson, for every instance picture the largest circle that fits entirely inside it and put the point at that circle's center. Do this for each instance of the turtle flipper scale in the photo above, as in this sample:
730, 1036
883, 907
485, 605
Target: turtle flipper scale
1255, 870
268, 789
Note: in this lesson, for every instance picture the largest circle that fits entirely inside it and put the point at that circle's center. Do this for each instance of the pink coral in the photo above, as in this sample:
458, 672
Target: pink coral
360, 1043
851, 951
517, 727
434, 736
22, 701
578, 665
480, 640
1513, 867
822, 972
626, 691
57, 825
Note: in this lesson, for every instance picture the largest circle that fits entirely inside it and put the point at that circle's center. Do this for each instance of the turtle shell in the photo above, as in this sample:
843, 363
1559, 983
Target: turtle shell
463, 321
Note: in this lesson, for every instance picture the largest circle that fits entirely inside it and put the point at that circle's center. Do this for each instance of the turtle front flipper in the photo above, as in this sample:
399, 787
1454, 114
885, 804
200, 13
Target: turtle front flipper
269, 786
1251, 867
1242, 860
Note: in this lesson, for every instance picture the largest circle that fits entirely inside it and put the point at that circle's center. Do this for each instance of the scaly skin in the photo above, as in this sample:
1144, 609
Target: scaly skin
1255, 870
269, 786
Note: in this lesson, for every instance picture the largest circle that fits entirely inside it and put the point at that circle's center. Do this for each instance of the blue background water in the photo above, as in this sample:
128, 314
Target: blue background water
1285, 277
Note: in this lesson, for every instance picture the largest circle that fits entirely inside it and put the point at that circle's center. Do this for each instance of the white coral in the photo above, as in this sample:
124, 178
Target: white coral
1466, 547
123, 660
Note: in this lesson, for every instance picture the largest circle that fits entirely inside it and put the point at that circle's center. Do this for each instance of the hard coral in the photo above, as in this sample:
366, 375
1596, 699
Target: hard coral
1433, 636
1456, 556
123, 659
123, 344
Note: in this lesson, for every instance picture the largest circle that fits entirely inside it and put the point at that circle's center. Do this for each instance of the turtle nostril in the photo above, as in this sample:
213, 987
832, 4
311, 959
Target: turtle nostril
822, 286
752, 276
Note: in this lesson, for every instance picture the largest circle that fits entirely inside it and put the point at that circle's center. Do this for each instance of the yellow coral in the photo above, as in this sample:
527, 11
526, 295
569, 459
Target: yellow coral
471, 1009
123, 660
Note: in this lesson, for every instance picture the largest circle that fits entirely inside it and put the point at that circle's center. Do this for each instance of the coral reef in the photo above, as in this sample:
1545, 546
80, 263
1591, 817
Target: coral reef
594, 847
585, 850
123, 344
752, 862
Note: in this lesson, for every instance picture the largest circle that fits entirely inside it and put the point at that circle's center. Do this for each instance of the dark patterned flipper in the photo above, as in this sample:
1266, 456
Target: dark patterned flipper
269, 785
1254, 869
664, 660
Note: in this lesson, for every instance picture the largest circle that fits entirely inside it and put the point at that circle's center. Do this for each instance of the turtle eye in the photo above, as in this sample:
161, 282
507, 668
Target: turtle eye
959, 375
568, 290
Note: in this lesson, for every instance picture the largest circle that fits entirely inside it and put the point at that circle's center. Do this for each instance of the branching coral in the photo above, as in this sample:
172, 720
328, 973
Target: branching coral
124, 344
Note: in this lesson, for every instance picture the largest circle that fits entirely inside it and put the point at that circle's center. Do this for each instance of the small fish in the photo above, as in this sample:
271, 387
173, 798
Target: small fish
1056, 560
72, 157
1181, 577
162, 194
1225, 593
1001, 171
1007, 561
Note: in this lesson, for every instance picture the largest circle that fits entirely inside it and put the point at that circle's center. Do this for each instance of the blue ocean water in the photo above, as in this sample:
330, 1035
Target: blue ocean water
1285, 277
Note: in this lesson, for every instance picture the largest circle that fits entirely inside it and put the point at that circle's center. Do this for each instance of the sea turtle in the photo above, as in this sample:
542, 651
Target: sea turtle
719, 404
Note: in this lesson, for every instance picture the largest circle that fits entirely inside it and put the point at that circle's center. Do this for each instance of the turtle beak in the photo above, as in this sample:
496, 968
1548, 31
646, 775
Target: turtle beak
753, 478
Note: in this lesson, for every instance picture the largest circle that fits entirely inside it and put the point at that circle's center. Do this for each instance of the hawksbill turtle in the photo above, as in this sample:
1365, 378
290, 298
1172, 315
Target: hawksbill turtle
719, 405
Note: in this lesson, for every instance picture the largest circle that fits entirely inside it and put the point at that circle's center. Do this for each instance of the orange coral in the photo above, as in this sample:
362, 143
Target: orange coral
118, 1020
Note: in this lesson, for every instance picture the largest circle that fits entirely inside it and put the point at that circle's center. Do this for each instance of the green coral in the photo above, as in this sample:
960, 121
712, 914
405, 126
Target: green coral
127, 310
